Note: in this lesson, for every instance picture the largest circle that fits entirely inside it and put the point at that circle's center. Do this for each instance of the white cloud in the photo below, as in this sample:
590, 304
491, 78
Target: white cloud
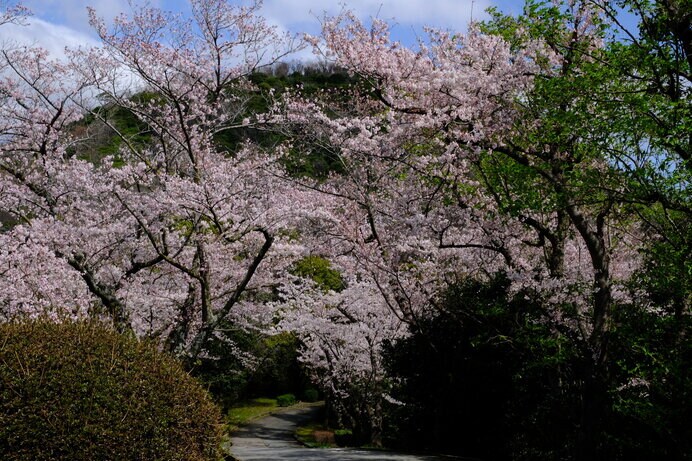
445, 14
407, 16
49, 36
73, 13
60, 23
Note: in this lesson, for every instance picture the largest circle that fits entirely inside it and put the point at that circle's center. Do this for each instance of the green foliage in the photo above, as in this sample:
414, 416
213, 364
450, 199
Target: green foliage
612, 137
492, 371
652, 362
667, 271
286, 400
80, 391
514, 186
320, 271
485, 377
304, 159
311, 395
343, 437
128, 126
276, 368
540, 19
312, 162
226, 375
310, 81
652, 386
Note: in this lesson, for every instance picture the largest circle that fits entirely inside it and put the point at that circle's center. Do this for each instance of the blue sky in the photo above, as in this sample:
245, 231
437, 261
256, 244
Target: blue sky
57, 23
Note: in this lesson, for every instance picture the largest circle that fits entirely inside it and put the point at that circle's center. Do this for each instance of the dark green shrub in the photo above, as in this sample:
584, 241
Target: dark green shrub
485, 378
230, 381
80, 391
311, 395
343, 437
320, 271
286, 400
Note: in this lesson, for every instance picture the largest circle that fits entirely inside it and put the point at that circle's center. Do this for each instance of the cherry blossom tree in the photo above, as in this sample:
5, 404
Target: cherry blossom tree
12, 12
389, 205
170, 236
342, 334
405, 215
469, 156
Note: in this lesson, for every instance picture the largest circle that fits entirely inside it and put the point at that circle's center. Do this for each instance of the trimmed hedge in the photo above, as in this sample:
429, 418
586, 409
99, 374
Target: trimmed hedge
311, 395
81, 391
286, 400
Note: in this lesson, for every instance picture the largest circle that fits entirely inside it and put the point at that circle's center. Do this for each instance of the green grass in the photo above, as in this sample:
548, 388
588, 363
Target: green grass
248, 411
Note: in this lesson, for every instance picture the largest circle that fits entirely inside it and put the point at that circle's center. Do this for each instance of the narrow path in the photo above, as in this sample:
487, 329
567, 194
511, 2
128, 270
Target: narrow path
271, 439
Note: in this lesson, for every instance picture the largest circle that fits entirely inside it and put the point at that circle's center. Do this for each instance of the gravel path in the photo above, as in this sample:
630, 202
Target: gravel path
271, 439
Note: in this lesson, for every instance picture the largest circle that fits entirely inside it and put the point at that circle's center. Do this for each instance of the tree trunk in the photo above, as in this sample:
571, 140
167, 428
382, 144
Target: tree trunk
593, 406
595, 375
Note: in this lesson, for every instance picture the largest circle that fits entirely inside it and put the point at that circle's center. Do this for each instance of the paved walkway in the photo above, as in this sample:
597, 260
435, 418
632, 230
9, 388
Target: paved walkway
271, 439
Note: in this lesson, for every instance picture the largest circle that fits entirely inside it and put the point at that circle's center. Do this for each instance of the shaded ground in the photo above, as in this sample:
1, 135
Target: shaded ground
271, 439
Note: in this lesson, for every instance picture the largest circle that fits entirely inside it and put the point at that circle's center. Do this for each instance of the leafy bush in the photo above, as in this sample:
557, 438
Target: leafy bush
311, 395
484, 378
320, 271
286, 400
230, 380
343, 437
81, 391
